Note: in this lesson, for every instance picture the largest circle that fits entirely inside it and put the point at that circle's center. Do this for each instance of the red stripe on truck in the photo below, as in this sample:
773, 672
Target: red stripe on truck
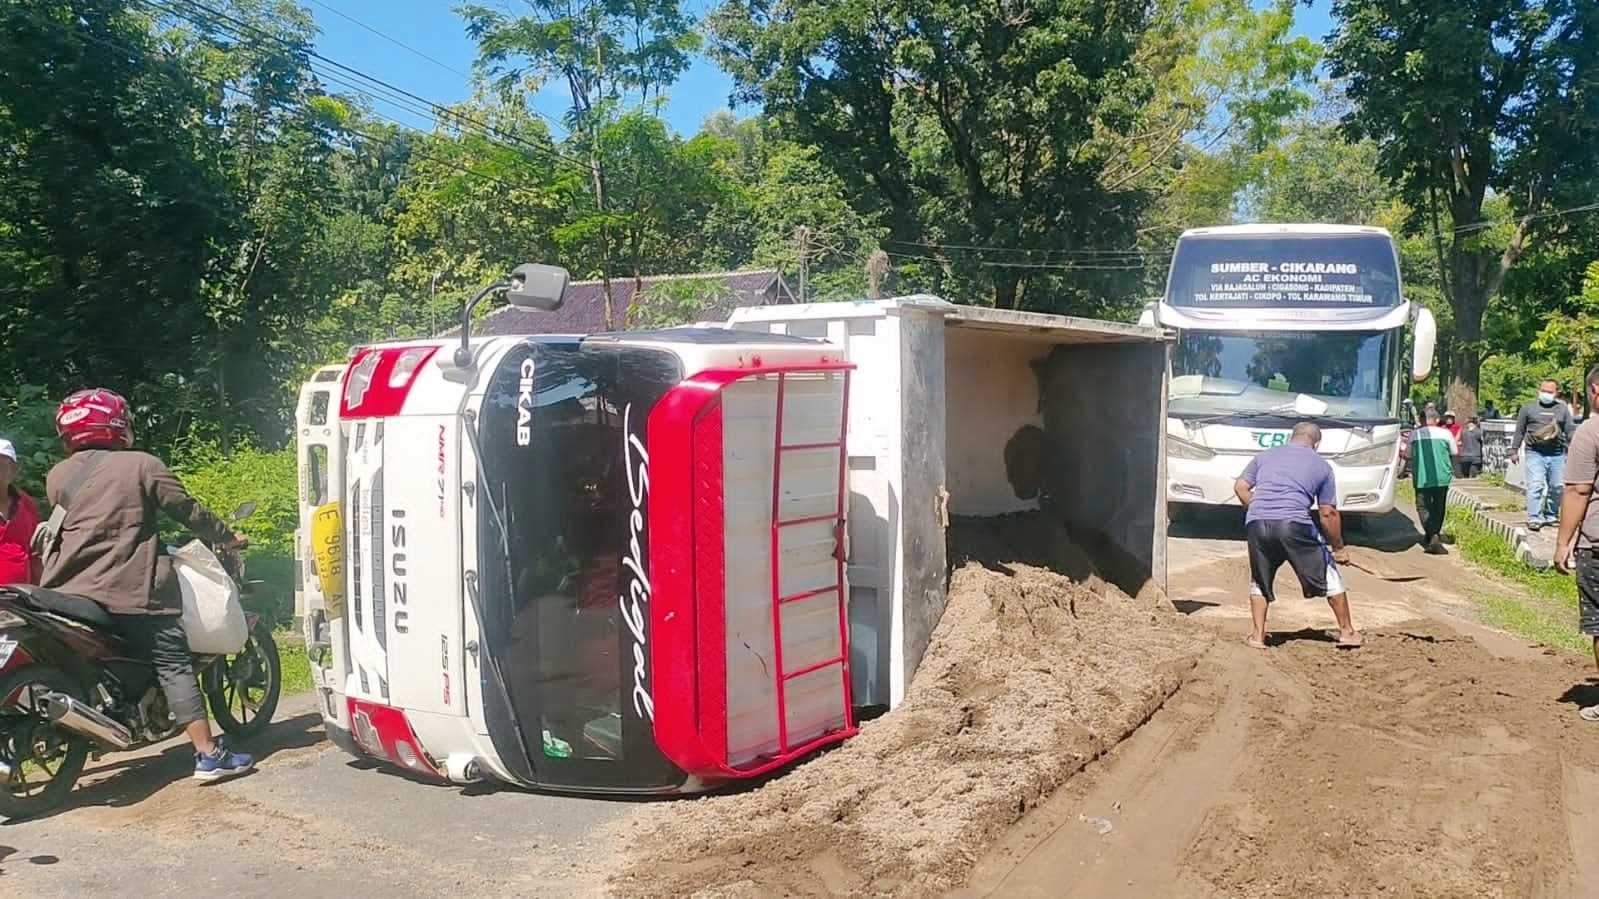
378, 380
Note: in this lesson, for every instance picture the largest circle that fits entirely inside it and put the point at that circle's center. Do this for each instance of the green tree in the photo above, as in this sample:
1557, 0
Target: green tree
667, 304
1468, 100
611, 55
956, 125
1569, 340
108, 203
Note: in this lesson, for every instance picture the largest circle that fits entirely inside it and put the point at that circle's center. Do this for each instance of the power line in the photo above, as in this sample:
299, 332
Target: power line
1537, 216
989, 248
399, 43
1052, 266
289, 106
439, 111
390, 38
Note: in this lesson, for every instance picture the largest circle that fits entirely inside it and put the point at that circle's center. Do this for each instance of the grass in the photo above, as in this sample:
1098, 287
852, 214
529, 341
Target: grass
296, 665
1545, 613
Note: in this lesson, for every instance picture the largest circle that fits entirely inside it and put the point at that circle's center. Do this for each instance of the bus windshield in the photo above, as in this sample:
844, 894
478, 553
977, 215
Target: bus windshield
1353, 373
1304, 271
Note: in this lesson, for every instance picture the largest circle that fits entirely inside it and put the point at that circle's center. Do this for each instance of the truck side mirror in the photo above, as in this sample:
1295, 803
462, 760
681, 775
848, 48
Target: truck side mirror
1423, 344
531, 286
538, 287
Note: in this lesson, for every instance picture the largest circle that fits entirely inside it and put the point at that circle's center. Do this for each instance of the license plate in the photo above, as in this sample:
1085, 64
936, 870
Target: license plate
7, 647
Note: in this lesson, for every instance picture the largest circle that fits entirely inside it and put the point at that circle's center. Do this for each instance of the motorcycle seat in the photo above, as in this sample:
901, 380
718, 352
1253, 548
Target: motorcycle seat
78, 608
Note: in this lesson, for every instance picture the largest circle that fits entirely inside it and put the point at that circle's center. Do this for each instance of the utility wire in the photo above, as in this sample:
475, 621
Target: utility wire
290, 106
402, 44
1053, 266
390, 38
439, 111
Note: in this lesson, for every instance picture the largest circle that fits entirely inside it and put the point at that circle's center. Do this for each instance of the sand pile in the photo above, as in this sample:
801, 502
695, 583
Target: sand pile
1029, 676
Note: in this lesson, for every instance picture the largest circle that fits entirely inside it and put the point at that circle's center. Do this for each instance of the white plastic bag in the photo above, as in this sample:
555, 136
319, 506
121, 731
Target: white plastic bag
213, 617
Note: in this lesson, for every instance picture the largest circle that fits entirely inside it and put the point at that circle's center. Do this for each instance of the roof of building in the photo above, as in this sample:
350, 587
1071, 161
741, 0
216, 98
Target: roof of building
584, 309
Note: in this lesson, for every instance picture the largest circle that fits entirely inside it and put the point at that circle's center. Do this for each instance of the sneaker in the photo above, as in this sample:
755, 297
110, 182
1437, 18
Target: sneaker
221, 764
1435, 547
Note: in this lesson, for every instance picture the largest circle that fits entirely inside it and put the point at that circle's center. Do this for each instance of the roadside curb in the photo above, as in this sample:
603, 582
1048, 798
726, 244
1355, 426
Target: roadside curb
1517, 537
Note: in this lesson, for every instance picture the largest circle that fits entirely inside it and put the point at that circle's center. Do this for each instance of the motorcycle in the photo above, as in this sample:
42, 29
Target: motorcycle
70, 688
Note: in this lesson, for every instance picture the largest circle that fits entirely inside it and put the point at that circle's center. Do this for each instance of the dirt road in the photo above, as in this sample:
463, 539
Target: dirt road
1440, 760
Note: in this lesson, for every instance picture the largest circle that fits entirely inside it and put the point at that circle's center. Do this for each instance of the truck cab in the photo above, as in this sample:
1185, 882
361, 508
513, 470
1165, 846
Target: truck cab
601, 564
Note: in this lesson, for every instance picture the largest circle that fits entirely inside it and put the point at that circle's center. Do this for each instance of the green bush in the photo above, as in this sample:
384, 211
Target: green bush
29, 421
269, 480
221, 482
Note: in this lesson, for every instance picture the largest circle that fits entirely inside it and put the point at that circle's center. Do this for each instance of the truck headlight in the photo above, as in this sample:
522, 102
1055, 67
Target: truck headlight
1371, 455
1187, 449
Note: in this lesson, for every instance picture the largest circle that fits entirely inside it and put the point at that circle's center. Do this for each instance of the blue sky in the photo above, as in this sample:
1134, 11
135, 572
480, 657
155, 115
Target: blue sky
431, 28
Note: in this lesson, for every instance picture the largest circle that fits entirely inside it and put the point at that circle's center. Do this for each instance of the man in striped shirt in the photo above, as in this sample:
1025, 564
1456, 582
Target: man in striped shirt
1432, 454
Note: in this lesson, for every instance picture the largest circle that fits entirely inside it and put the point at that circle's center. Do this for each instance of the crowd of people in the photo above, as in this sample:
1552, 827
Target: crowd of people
1544, 428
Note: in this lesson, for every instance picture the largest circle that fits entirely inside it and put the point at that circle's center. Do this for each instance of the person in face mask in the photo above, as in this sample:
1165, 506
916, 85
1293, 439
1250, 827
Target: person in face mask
1545, 425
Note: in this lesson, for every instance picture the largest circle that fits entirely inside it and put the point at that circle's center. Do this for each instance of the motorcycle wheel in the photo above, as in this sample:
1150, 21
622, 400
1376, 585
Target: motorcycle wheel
243, 689
31, 746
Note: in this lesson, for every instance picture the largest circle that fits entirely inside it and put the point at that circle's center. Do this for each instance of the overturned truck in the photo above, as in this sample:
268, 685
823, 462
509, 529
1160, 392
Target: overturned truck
656, 562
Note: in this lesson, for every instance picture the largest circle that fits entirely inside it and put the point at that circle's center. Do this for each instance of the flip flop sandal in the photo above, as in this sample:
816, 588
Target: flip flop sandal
1252, 643
1342, 645
1589, 713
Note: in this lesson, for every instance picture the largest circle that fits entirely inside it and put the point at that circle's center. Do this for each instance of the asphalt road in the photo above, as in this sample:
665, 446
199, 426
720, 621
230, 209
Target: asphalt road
311, 821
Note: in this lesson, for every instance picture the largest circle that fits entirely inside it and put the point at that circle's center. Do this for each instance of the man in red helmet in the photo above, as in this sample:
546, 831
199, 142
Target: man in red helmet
110, 551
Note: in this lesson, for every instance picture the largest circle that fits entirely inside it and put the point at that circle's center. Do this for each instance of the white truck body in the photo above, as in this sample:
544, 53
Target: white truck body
938, 397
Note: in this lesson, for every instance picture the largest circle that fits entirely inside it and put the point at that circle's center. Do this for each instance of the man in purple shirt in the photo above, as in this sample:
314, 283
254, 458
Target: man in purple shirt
1278, 489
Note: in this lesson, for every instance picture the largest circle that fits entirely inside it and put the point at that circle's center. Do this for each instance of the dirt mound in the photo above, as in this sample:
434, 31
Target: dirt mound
1029, 676
1087, 556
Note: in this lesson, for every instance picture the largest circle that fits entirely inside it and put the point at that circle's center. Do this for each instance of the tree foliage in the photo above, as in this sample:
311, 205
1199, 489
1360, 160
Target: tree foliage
955, 124
1469, 100
196, 209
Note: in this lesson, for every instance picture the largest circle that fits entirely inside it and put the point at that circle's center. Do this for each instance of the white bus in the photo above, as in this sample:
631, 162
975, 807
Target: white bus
1278, 324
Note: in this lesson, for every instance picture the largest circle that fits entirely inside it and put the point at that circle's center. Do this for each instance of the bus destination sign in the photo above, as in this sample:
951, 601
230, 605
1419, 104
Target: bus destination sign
1282, 284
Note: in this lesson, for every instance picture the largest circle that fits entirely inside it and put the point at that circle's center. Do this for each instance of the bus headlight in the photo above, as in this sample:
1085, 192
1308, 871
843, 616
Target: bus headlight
1371, 455
1179, 448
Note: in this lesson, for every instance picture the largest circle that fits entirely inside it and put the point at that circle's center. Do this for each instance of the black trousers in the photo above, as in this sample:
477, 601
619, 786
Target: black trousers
1468, 468
1431, 504
160, 639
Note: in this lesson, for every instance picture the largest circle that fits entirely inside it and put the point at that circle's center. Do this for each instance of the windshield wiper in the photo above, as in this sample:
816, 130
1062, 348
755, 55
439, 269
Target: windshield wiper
1326, 420
1296, 417
493, 666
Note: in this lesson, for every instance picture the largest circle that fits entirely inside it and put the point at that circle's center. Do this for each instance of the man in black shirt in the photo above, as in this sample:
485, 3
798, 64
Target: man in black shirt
1546, 426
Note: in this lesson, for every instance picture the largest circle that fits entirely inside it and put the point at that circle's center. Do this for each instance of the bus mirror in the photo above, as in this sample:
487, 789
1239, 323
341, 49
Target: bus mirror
1423, 343
538, 287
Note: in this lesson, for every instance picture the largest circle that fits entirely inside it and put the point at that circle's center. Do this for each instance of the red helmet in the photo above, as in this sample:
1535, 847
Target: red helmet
94, 419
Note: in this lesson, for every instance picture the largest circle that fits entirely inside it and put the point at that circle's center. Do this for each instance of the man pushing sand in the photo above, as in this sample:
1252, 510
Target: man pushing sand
1278, 489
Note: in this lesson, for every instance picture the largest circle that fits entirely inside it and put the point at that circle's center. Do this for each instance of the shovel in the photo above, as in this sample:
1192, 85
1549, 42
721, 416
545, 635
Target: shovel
1390, 578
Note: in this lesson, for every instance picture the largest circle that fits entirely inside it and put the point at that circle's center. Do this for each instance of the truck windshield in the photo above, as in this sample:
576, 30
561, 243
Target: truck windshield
1305, 271
1355, 374
560, 429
